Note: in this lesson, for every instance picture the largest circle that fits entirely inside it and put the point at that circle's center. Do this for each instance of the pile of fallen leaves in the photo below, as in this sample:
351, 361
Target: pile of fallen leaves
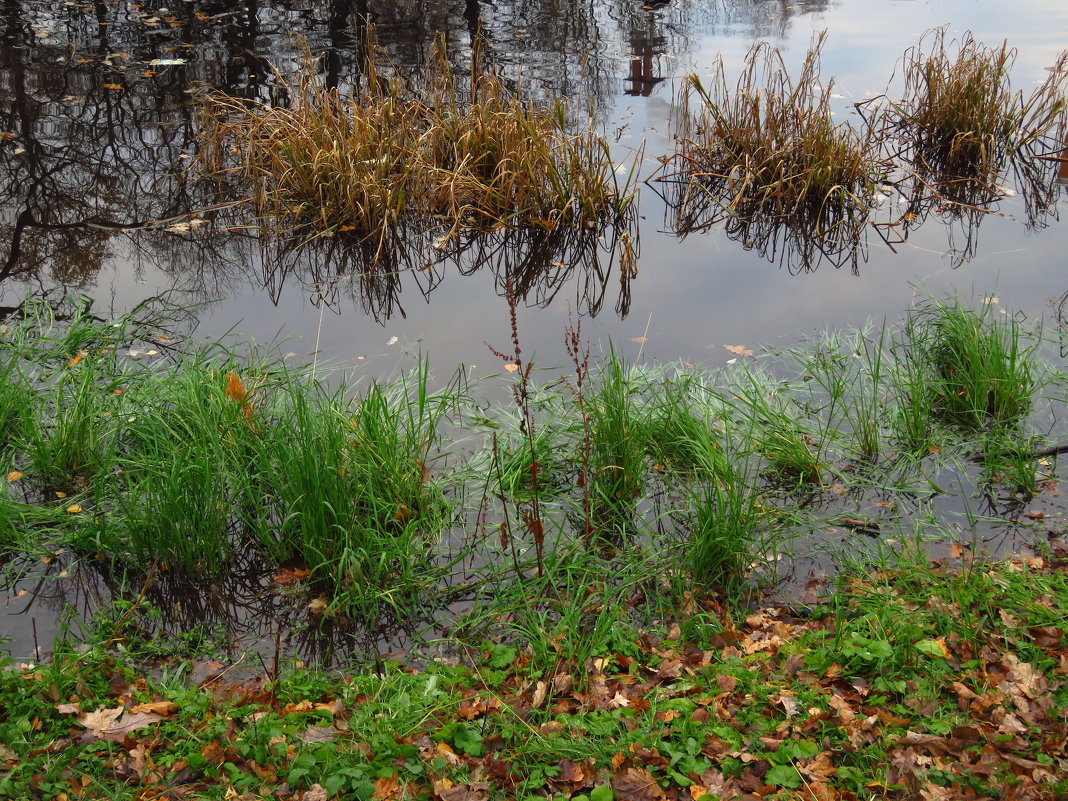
885, 698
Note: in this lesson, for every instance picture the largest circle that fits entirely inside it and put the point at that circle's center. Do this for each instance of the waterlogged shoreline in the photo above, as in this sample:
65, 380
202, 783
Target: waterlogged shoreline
168, 470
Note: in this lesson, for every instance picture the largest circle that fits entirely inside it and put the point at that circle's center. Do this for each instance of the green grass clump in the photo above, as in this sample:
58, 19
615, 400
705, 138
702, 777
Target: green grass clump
347, 488
978, 368
960, 112
435, 153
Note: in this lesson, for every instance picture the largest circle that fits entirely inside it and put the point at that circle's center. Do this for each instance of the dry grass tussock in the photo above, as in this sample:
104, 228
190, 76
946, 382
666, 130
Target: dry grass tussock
438, 152
959, 113
769, 146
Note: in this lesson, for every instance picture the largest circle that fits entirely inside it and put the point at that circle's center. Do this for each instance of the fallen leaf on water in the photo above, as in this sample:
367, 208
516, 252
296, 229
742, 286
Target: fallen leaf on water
639, 340
511, 368
77, 357
391, 341
114, 86
318, 606
291, 575
183, 227
74, 508
14, 475
739, 350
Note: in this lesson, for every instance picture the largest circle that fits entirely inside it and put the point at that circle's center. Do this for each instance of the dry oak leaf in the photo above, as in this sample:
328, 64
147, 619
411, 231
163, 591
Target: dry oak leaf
314, 793
114, 724
164, 708
574, 775
318, 734
636, 784
386, 789
447, 791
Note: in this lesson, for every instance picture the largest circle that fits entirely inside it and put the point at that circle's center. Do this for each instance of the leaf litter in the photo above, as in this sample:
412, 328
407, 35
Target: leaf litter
817, 703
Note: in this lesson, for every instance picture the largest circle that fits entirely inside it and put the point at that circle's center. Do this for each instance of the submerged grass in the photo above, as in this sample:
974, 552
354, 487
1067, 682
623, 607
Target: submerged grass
979, 369
443, 152
769, 146
765, 158
201, 460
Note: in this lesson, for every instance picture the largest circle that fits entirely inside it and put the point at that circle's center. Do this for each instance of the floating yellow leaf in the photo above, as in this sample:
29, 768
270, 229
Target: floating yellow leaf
740, 350
14, 475
74, 508
511, 368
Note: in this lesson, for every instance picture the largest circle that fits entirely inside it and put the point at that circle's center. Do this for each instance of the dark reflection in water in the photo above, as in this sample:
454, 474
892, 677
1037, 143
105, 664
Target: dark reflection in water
242, 613
97, 117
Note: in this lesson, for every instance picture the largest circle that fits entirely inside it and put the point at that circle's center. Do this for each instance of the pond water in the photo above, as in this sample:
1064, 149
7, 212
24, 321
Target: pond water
97, 115
97, 106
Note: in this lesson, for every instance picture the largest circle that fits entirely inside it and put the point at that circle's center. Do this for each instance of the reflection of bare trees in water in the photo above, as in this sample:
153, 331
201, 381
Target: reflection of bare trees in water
95, 137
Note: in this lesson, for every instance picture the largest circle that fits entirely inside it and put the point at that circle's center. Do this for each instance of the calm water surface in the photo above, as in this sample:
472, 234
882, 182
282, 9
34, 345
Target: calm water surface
95, 106
100, 127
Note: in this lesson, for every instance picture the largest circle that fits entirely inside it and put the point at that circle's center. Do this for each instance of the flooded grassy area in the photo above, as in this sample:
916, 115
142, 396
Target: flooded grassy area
584, 400
636, 583
156, 465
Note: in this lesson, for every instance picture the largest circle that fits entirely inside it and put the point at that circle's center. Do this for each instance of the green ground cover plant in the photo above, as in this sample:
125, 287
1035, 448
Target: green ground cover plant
925, 679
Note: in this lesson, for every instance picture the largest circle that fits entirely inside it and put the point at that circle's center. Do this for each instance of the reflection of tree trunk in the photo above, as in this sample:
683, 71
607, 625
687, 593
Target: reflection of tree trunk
24, 113
339, 36
473, 18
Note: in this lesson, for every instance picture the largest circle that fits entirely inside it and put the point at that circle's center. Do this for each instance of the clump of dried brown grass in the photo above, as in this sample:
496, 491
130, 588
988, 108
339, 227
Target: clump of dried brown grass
769, 146
767, 157
428, 151
959, 112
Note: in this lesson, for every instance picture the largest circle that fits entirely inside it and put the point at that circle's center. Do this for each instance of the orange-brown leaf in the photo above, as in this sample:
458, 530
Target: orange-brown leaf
636, 784
235, 389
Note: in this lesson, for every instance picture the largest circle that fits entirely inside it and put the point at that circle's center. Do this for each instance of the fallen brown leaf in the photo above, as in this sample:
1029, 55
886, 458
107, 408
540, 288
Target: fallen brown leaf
114, 724
636, 784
